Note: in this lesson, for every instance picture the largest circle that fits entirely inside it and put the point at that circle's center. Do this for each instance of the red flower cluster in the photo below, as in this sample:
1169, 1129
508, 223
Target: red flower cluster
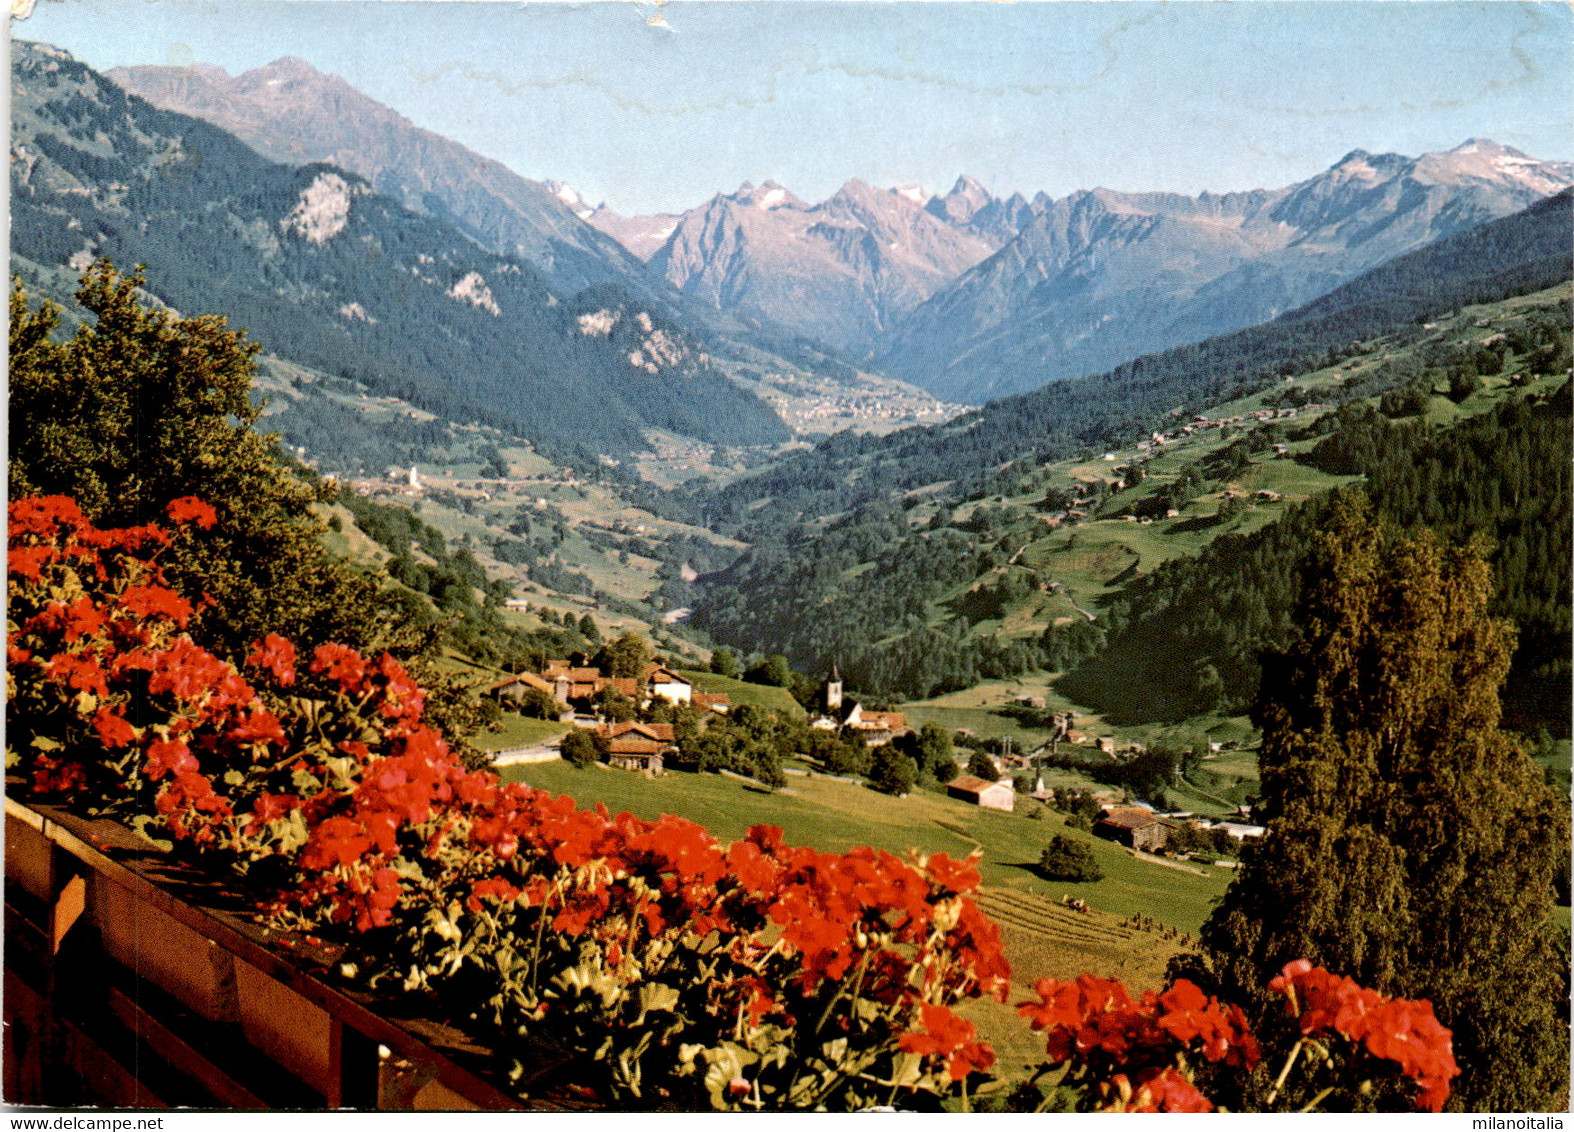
1154, 1090
1129, 1046
1395, 1029
379, 826
945, 1035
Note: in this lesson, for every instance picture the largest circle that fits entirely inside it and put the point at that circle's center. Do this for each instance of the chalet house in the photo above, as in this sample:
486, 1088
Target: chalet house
513, 689
665, 684
718, 702
1135, 828
637, 746
999, 795
875, 728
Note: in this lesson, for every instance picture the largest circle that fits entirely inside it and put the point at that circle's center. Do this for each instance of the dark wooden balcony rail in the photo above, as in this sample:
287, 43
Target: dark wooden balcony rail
130, 982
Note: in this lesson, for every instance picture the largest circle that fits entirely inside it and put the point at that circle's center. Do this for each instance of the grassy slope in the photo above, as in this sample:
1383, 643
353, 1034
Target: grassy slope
1041, 937
743, 692
515, 730
833, 815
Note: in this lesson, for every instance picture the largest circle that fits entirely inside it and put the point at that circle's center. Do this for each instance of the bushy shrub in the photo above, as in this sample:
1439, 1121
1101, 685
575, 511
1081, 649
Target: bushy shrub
1066, 858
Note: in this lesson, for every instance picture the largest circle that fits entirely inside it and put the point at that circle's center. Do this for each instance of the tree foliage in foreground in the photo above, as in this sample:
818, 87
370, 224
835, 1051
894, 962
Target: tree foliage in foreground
1408, 836
141, 407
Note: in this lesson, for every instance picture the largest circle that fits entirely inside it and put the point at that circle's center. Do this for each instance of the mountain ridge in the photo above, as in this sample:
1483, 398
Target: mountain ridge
294, 114
290, 111
1100, 276
328, 273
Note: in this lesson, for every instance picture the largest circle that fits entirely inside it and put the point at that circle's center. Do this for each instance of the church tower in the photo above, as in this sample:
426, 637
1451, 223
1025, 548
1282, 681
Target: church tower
833, 691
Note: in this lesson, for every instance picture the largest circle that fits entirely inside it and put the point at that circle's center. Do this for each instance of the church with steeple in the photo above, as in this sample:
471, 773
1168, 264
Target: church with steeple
837, 712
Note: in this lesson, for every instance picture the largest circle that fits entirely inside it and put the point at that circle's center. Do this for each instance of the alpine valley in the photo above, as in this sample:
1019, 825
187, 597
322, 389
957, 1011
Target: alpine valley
908, 494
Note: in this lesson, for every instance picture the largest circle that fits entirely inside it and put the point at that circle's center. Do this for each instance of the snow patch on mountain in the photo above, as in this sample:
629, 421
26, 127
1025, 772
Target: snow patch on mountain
598, 324
472, 289
658, 349
322, 211
570, 196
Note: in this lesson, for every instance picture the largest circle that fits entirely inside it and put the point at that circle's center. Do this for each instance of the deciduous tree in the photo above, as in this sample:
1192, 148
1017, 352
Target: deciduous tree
892, 772
1066, 858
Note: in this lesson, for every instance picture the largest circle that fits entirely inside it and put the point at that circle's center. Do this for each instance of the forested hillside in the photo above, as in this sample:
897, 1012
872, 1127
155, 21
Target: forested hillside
903, 558
1185, 639
329, 274
1516, 255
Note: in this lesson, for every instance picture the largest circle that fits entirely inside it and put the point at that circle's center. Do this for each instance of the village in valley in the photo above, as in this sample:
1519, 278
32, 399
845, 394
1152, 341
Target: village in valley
651, 723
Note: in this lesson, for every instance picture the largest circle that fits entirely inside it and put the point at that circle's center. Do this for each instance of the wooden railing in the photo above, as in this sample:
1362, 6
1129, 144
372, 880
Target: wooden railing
128, 983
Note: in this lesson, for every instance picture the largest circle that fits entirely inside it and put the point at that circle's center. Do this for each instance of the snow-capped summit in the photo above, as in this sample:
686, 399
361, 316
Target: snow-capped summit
1483, 159
768, 196
569, 195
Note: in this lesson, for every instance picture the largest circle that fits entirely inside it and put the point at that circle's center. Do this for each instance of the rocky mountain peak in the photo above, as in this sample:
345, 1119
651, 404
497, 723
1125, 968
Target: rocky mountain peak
291, 112
288, 75
288, 66
966, 198
768, 196
570, 196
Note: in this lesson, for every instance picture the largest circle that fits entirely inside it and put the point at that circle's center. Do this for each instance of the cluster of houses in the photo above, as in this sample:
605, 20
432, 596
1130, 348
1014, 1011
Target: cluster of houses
577, 688
1202, 423
837, 712
1080, 507
1141, 828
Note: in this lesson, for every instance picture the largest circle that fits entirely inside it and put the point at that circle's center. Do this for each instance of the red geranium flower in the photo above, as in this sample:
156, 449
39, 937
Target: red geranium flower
155, 601
28, 561
342, 664
949, 1036
276, 656
168, 756
188, 508
78, 670
112, 728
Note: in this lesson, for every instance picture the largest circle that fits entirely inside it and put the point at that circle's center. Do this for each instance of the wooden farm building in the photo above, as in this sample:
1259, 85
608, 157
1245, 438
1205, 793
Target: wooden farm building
637, 746
1135, 828
513, 689
999, 795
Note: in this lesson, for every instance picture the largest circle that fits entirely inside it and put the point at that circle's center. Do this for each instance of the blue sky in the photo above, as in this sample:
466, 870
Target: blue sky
1181, 96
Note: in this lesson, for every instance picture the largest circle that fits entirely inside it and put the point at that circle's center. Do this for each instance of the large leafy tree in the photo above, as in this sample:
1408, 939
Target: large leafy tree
1411, 841
141, 406
626, 656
